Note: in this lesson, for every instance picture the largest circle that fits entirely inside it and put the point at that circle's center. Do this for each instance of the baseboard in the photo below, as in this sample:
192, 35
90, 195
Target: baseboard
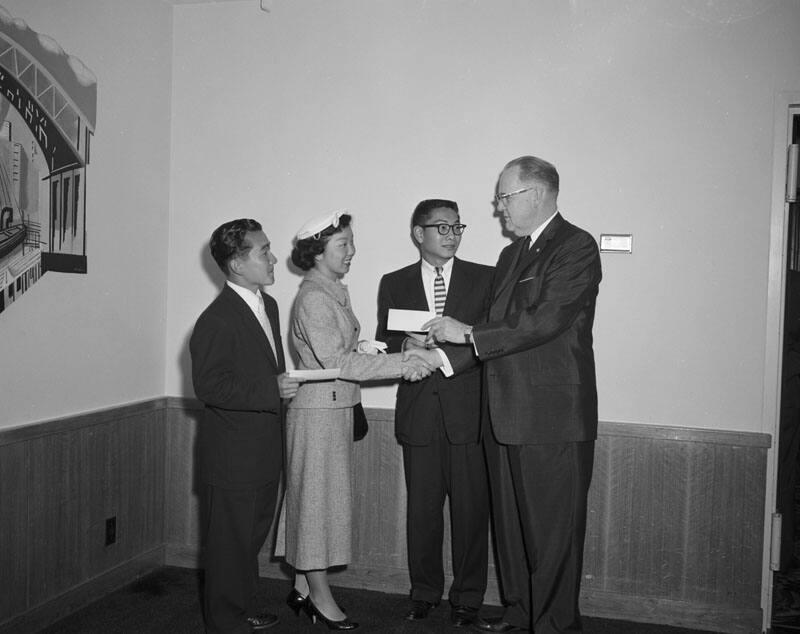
57, 608
182, 556
605, 605
714, 618
391, 580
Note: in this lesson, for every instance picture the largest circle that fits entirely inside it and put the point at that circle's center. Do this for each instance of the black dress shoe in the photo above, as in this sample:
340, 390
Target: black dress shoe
496, 624
419, 610
261, 622
314, 614
296, 601
463, 616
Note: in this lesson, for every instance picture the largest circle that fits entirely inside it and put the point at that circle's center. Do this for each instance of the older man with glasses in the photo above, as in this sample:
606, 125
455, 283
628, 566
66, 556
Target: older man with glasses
437, 420
536, 348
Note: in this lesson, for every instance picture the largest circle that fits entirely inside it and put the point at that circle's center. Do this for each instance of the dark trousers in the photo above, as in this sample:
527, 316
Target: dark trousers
539, 495
433, 472
237, 523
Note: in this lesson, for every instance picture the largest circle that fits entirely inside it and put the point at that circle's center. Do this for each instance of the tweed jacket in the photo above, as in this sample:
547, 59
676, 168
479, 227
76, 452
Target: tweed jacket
325, 335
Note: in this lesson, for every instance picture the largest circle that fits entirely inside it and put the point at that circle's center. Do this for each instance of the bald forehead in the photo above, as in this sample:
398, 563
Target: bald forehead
509, 179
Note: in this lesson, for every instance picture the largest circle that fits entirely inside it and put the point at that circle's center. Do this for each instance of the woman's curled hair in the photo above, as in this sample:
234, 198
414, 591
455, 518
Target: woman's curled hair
306, 250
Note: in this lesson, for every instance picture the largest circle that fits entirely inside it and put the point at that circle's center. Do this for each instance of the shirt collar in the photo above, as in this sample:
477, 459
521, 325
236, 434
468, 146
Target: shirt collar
428, 267
540, 229
251, 297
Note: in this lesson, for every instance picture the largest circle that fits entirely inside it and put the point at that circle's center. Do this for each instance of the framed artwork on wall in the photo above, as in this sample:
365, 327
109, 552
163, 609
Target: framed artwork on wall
48, 102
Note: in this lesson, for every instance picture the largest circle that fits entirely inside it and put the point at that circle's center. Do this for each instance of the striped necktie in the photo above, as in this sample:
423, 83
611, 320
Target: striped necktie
439, 292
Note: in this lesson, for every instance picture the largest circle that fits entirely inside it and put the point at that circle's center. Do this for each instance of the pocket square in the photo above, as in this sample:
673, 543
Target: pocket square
527, 279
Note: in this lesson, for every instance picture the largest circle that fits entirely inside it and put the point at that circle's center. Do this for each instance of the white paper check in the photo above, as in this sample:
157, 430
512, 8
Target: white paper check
314, 375
408, 320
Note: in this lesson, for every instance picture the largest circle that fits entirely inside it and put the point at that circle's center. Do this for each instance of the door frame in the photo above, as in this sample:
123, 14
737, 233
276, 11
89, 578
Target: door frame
787, 104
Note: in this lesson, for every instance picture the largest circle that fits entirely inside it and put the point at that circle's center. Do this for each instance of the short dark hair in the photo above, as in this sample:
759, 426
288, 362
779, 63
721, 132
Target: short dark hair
228, 241
307, 249
423, 211
532, 168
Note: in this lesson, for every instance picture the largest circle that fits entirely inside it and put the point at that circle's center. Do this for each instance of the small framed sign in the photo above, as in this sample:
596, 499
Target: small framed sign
616, 243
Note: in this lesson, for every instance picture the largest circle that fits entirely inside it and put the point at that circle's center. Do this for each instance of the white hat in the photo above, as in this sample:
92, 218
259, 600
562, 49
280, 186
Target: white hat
317, 225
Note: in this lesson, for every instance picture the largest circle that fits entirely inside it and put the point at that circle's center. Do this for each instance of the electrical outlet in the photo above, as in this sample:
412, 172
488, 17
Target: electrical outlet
111, 530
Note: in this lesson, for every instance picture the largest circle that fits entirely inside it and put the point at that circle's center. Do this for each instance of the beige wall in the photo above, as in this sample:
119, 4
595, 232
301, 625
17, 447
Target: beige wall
75, 343
659, 116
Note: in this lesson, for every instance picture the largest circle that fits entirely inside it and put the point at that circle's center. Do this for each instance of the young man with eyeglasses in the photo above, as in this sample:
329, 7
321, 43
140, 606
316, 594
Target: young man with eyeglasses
437, 420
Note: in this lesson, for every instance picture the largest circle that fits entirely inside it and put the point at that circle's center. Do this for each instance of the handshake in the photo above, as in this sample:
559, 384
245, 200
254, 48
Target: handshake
418, 362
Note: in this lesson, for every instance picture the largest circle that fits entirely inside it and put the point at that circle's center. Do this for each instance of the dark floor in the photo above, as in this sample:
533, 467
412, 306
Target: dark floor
786, 602
167, 601
786, 587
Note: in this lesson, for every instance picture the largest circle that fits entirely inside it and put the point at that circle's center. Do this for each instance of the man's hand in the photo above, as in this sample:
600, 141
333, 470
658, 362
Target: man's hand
445, 329
287, 385
418, 363
410, 343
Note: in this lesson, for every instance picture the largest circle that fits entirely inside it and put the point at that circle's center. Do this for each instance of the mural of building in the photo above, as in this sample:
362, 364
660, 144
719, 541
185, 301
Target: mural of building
48, 103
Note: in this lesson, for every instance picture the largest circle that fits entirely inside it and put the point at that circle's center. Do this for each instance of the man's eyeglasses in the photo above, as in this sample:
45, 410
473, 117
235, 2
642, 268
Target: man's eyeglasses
503, 198
444, 228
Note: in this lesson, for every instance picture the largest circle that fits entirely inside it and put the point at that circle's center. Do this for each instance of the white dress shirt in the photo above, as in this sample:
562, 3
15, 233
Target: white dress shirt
253, 299
429, 276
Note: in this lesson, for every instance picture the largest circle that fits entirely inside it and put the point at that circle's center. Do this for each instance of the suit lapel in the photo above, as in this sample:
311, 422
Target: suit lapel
541, 242
414, 290
523, 260
455, 290
509, 276
276, 355
251, 322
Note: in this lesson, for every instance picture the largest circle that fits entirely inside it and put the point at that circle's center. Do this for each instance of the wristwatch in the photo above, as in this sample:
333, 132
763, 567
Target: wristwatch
468, 335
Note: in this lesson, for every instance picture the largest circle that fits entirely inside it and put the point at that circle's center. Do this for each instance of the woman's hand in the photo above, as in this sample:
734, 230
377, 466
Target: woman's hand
418, 363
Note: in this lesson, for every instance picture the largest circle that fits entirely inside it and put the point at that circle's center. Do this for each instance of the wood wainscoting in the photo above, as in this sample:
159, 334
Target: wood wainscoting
59, 483
675, 528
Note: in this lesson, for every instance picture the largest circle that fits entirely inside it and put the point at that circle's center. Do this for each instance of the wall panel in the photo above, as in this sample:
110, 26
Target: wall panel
674, 532
677, 523
14, 543
59, 482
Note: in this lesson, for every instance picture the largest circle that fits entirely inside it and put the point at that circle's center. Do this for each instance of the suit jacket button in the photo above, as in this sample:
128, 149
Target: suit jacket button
334, 396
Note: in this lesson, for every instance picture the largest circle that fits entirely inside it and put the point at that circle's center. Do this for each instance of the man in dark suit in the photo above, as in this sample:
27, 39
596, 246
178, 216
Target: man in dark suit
437, 420
238, 373
536, 348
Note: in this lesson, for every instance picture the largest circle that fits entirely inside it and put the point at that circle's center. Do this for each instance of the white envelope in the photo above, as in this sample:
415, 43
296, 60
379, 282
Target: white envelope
314, 375
408, 320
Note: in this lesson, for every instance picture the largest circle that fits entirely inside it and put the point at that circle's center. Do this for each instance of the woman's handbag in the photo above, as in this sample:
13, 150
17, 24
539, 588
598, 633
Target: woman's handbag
360, 424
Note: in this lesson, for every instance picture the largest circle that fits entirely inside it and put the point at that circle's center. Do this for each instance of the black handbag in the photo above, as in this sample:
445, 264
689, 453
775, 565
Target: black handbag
360, 424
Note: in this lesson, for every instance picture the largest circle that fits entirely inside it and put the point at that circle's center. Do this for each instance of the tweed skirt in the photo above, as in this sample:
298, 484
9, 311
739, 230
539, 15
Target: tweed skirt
316, 523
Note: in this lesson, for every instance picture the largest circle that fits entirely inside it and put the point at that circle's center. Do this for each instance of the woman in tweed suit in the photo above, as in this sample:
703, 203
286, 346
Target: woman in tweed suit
316, 523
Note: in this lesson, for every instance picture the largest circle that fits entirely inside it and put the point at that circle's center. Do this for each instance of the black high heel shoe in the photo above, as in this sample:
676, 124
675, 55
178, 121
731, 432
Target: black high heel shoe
296, 601
314, 614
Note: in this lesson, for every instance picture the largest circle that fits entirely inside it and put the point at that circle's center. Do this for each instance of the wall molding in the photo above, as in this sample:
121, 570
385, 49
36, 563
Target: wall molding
73, 600
31, 431
9, 435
